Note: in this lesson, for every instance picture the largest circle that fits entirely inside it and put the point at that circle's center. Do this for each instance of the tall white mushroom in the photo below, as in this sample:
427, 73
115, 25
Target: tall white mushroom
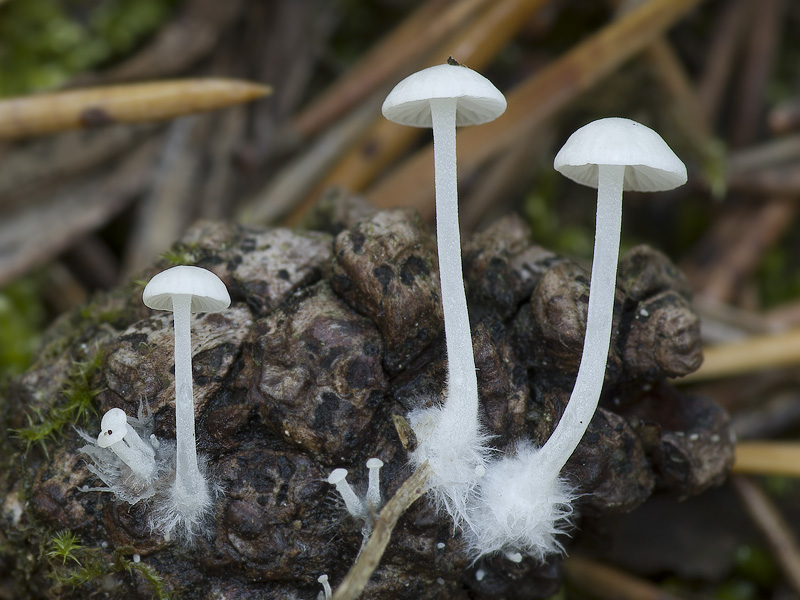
522, 500
612, 155
450, 437
185, 290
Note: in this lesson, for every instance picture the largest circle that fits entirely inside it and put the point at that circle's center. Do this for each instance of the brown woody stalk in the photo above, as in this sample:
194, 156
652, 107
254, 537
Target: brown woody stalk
608, 583
475, 47
773, 526
768, 458
134, 103
747, 356
392, 57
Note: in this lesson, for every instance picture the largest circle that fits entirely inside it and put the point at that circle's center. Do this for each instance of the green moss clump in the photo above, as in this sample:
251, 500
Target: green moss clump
74, 565
21, 319
77, 401
45, 42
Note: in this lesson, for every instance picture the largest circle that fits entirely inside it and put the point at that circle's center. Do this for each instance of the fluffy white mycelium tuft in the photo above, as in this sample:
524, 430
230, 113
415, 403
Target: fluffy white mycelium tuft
519, 507
457, 453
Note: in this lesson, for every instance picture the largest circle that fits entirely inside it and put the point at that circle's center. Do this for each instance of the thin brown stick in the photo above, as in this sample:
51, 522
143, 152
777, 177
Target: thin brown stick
783, 182
508, 175
608, 583
475, 47
725, 46
393, 57
46, 228
752, 354
748, 99
770, 154
734, 247
535, 100
133, 103
773, 526
190, 35
767, 458
356, 579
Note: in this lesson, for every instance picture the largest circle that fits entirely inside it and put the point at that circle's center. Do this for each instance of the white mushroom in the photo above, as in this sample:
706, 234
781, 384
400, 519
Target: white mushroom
611, 155
185, 290
451, 439
338, 478
522, 503
122, 440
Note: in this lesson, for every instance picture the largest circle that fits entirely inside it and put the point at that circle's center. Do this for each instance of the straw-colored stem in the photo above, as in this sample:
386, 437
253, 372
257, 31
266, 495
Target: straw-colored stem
131, 103
768, 458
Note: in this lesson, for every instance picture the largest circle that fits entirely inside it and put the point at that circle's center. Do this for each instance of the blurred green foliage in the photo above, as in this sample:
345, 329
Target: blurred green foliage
45, 42
22, 316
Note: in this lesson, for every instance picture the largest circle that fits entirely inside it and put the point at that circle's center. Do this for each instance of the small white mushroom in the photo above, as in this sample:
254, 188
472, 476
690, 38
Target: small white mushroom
122, 440
185, 290
338, 478
326, 587
374, 486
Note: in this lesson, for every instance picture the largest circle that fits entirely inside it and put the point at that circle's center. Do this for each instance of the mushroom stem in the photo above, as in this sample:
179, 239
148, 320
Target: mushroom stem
591, 372
136, 456
190, 485
374, 487
338, 477
462, 395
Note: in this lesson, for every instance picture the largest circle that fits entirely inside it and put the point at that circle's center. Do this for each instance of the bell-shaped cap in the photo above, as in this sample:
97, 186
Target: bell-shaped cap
113, 427
478, 100
208, 292
651, 164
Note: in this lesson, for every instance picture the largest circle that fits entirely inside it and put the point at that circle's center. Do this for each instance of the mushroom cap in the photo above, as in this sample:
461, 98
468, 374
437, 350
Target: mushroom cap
208, 292
652, 165
374, 463
113, 427
337, 476
478, 100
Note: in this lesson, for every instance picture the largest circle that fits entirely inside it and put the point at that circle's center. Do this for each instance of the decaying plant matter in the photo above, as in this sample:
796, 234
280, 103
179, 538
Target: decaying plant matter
329, 335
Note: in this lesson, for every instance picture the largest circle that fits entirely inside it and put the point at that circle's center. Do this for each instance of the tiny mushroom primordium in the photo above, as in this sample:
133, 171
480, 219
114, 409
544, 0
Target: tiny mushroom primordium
450, 437
185, 290
122, 440
523, 500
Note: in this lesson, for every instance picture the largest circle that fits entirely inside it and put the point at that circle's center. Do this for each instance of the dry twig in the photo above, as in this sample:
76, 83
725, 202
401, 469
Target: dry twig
608, 583
393, 57
371, 553
747, 356
767, 458
773, 526
134, 103
475, 47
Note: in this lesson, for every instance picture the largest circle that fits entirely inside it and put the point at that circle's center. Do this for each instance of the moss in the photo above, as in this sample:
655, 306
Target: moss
73, 565
77, 399
184, 254
21, 320
71, 37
